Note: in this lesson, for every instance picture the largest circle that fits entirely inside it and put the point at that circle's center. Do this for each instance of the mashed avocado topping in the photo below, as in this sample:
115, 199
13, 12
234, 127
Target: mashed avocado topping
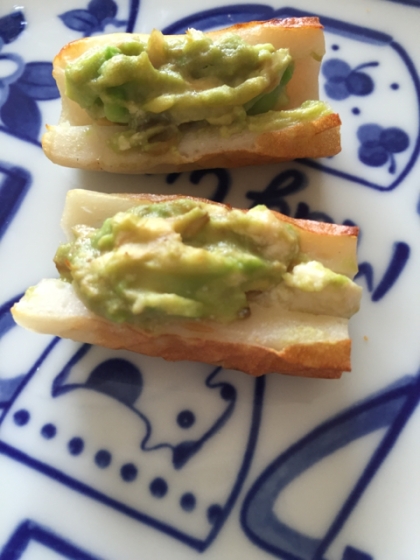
161, 87
313, 276
185, 259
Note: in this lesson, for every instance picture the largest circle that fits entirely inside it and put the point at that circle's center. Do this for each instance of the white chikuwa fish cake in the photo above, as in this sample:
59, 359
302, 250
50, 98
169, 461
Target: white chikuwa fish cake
189, 279
245, 95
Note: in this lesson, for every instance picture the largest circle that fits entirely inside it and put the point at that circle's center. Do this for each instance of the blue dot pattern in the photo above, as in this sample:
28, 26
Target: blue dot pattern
213, 513
188, 501
76, 446
103, 458
228, 392
158, 487
48, 431
21, 417
128, 472
185, 419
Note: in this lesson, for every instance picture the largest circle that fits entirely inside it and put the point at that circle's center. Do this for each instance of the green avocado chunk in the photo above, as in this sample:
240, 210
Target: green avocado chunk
179, 258
161, 87
187, 259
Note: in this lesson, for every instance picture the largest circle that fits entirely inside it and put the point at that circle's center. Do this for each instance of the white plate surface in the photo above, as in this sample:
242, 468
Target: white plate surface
185, 461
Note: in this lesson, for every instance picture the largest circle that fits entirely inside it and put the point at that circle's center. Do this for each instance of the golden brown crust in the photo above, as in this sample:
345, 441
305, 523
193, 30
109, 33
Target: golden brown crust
290, 23
320, 228
76, 48
315, 139
322, 359
319, 138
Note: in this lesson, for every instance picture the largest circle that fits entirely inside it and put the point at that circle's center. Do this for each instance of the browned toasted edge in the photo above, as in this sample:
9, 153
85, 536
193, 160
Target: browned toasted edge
314, 139
290, 22
321, 360
322, 228
74, 48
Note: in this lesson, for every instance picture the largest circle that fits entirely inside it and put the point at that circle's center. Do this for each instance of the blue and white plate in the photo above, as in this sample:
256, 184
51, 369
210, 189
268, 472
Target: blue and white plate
114, 456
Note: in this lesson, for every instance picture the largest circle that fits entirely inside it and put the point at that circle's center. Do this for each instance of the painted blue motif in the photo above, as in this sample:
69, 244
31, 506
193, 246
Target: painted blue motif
48, 431
223, 177
75, 446
102, 379
23, 87
103, 458
32, 82
352, 553
343, 81
21, 417
415, 3
11, 26
29, 531
158, 487
378, 145
399, 259
94, 18
9, 387
97, 15
129, 472
284, 184
121, 380
117, 378
6, 319
188, 501
185, 419
390, 409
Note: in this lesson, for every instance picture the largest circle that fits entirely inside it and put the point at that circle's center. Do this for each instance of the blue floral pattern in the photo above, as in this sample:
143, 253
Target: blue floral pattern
23, 86
31, 427
378, 145
343, 81
11, 26
97, 15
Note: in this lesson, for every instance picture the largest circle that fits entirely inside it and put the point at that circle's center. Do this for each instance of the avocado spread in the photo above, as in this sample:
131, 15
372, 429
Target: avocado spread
163, 87
185, 259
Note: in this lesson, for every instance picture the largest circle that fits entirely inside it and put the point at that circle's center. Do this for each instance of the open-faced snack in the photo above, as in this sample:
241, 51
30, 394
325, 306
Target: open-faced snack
245, 95
186, 278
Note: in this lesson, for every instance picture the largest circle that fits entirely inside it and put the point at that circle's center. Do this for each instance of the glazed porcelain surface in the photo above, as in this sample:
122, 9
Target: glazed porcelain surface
115, 456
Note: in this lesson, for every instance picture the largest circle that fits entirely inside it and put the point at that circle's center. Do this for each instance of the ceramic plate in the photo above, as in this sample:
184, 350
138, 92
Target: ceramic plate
110, 455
